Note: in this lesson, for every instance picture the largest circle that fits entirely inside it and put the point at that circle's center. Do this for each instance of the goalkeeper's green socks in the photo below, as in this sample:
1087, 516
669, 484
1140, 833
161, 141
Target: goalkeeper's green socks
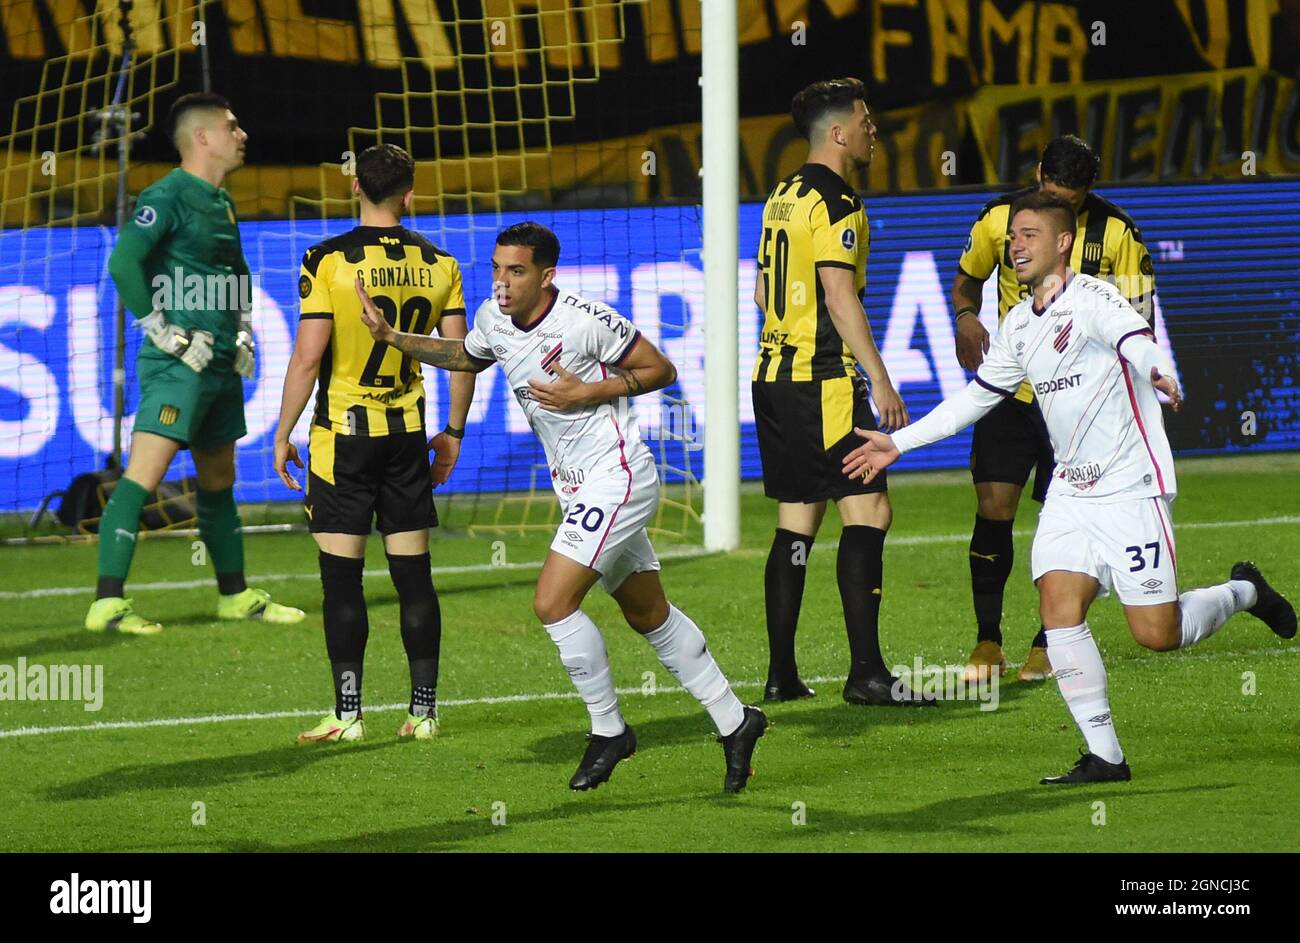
118, 530
219, 527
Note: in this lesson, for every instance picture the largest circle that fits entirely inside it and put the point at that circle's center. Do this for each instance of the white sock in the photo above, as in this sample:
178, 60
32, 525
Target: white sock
1205, 610
1081, 676
680, 645
582, 652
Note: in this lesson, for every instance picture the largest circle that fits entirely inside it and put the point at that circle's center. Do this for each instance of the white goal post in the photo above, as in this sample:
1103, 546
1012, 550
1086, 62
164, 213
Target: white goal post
721, 166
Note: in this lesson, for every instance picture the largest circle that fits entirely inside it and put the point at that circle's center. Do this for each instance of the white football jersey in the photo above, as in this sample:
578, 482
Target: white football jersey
588, 339
1088, 356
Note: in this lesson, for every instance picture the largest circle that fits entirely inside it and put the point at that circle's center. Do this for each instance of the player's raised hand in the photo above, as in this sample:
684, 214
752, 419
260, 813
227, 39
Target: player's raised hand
893, 413
972, 342
446, 450
563, 393
380, 329
286, 452
872, 457
1168, 386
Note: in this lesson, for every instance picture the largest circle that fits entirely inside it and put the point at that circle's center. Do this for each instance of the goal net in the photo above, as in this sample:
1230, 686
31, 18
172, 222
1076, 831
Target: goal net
512, 109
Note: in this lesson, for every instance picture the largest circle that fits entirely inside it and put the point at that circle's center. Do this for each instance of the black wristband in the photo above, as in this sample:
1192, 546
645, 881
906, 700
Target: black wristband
454, 433
965, 309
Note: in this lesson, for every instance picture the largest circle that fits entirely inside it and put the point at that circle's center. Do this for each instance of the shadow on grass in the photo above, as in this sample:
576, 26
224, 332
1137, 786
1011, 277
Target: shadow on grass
973, 817
78, 640
209, 771
566, 749
452, 834
834, 720
965, 818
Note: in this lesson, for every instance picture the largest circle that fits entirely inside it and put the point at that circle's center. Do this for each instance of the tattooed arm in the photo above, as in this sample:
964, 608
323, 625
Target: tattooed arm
644, 370
447, 353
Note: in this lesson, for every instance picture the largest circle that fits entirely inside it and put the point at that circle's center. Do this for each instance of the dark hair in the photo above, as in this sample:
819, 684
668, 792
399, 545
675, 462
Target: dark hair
194, 101
1047, 203
384, 171
1070, 162
819, 99
543, 242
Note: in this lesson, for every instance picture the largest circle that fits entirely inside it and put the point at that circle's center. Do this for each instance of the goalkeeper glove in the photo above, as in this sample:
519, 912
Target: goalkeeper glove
192, 348
245, 349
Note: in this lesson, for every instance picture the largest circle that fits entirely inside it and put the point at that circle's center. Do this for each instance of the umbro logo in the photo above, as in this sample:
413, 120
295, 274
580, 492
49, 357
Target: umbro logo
1100, 720
1153, 583
573, 535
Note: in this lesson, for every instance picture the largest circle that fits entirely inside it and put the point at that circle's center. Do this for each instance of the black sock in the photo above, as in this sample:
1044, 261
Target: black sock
1040, 640
783, 582
346, 627
421, 619
991, 553
860, 569
113, 587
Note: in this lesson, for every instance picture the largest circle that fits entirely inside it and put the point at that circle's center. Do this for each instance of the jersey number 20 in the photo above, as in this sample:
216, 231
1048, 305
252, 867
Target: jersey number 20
415, 311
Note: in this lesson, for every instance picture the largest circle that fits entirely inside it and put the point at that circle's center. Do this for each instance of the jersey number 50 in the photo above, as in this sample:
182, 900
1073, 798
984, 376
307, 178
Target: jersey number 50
776, 298
415, 311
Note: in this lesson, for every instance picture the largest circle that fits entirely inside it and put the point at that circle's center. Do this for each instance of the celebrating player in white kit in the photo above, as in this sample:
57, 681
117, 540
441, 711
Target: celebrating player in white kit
1096, 368
573, 364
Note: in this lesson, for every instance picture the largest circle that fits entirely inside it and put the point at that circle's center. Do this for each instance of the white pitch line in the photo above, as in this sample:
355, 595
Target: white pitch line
282, 577
914, 540
512, 699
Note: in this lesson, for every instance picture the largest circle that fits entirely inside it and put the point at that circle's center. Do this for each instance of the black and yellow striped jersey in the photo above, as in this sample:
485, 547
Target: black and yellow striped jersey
1107, 244
811, 219
367, 388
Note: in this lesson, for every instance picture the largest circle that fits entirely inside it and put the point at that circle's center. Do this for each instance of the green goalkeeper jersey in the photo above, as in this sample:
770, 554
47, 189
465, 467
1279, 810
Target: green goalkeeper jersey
181, 252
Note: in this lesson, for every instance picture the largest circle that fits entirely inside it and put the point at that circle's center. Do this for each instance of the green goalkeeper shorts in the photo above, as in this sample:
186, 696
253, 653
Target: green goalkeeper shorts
199, 410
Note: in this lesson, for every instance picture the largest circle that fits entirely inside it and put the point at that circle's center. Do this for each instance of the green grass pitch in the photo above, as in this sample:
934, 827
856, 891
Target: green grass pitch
1210, 733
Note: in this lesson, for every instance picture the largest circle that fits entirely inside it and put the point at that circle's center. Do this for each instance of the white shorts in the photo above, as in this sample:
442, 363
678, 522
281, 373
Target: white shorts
1127, 546
603, 523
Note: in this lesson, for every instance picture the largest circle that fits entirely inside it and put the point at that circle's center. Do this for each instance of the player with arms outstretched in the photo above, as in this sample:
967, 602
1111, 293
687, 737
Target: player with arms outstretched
573, 364
368, 461
191, 365
1096, 369
1011, 441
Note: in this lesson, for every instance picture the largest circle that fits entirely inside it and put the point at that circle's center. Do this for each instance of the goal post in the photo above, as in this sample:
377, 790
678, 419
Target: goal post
721, 167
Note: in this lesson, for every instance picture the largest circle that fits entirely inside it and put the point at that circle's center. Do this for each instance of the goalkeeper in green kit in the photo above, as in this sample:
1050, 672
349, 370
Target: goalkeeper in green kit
179, 268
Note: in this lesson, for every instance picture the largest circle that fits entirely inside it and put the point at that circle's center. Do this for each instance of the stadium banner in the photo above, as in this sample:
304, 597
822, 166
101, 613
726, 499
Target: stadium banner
558, 102
1238, 122
1230, 124
1228, 311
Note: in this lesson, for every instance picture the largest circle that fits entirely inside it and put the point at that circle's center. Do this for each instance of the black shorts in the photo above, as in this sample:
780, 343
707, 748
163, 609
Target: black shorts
354, 482
805, 428
1009, 443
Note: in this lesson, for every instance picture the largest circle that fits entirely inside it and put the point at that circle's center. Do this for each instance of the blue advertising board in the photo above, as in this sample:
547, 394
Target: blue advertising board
1228, 298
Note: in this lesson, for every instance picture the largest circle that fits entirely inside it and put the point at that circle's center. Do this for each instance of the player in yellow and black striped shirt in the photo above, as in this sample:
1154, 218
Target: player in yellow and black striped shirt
1011, 441
808, 394
368, 463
